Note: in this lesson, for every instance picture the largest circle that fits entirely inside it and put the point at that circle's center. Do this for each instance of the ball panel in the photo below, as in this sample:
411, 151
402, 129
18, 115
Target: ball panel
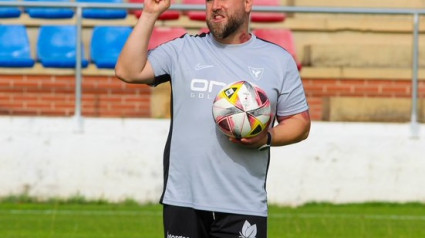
241, 126
223, 107
224, 126
263, 110
256, 124
264, 119
262, 97
231, 93
257, 130
247, 97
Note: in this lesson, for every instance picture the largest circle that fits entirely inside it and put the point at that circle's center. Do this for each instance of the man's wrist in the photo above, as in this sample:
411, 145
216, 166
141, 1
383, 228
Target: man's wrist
149, 17
267, 144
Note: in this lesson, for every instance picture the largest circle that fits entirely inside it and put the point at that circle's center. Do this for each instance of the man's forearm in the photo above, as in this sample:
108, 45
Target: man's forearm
291, 129
133, 58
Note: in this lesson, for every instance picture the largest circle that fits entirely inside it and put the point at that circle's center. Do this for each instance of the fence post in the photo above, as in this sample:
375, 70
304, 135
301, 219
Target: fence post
414, 126
78, 77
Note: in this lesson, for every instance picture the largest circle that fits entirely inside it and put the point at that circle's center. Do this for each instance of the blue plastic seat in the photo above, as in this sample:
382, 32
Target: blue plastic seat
56, 46
9, 12
50, 13
103, 13
107, 43
15, 50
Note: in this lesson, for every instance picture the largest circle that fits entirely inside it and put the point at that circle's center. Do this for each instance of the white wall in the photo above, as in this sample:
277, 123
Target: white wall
115, 159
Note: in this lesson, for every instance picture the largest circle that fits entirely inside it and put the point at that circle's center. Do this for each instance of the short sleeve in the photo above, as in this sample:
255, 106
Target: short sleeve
163, 58
291, 99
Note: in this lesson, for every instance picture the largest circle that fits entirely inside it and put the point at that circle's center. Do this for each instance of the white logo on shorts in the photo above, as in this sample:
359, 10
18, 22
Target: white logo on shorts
175, 236
248, 231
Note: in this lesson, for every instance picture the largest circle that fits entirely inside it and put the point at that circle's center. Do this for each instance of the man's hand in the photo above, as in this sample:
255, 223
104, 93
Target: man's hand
290, 129
252, 142
156, 7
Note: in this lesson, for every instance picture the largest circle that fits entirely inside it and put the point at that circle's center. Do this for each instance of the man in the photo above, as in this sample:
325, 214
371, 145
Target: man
214, 186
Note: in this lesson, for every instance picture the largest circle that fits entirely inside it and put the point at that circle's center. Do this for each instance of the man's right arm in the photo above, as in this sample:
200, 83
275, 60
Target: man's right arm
132, 65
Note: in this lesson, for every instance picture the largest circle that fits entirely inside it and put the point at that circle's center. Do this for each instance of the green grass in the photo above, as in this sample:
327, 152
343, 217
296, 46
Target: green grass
351, 220
76, 218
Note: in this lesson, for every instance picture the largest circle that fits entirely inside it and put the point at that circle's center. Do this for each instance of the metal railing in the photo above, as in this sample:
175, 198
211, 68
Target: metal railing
78, 6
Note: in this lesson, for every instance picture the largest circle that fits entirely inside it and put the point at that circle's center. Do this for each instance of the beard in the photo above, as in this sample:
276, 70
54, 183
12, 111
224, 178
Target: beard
222, 31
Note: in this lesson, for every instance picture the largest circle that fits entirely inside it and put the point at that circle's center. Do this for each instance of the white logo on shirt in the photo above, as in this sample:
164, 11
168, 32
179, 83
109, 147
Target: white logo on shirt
200, 66
248, 231
257, 73
203, 88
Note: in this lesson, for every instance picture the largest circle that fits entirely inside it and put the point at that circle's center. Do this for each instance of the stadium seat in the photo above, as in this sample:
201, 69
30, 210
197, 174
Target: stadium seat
49, 13
255, 16
267, 16
56, 46
163, 34
195, 15
203, 30
103, 13
9, 12
106, 44
167, 15
15, 50
282, 37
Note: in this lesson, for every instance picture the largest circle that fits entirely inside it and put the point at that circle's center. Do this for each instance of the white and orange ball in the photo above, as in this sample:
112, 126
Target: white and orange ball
241, 110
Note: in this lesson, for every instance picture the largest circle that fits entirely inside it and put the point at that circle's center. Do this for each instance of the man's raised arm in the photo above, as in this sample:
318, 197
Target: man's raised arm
132, 65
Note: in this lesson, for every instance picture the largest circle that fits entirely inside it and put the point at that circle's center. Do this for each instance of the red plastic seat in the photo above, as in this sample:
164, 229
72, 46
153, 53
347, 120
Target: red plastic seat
195, 15
163, 34
267, 16
255, 16
282, 37
167, 15
204, 30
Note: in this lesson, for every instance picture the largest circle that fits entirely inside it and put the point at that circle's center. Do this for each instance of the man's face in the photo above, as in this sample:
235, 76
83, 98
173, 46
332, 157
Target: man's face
225, 17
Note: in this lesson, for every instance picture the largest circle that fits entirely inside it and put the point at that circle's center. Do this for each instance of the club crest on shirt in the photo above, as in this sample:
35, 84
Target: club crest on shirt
256, 73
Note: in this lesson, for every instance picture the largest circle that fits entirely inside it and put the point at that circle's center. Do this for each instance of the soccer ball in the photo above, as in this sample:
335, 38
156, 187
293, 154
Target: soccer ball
241, 110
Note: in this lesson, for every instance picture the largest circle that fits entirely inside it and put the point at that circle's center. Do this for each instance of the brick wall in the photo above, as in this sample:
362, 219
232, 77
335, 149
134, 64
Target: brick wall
318, 91
51, 95
106, 96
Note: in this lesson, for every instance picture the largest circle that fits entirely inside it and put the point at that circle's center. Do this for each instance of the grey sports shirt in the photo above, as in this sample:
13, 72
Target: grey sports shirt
202, 168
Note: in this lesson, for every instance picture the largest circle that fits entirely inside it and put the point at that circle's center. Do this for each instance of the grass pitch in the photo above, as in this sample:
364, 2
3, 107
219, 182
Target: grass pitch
27, 219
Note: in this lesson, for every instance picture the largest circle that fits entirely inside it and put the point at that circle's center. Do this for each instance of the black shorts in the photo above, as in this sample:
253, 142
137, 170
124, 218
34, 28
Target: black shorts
183, 222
